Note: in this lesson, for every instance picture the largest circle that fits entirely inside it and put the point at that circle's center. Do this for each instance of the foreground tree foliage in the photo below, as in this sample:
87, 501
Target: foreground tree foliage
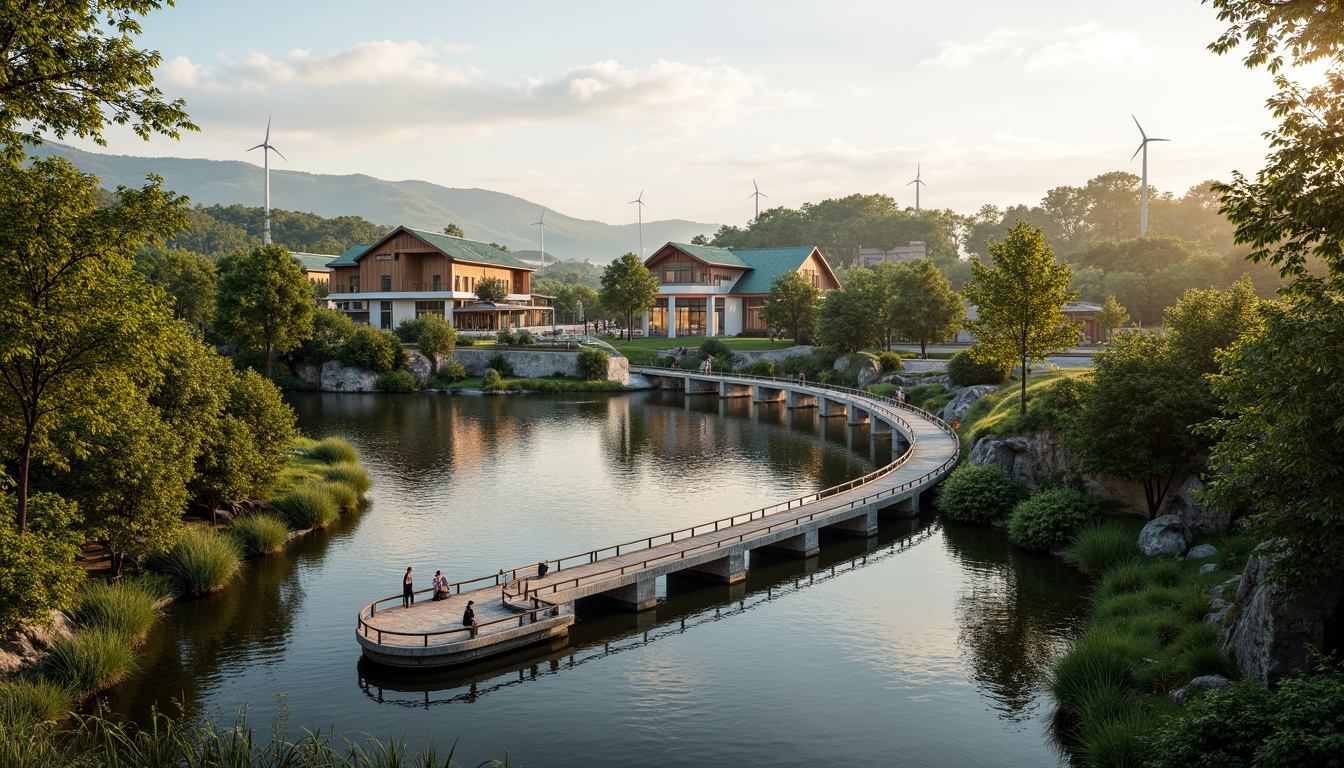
1019, 301
264, 301
77, 325
792, 306
70, 68
38, 572
627, 288
188, 279
923, 308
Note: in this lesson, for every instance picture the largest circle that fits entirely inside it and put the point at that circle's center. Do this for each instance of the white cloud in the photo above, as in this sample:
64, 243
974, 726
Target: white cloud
1087, 45
404, 90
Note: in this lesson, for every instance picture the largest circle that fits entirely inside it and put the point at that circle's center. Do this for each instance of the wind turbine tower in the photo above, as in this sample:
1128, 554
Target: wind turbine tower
918, 183
758, 194
541, 222
1143, 204
266, 150
640, 201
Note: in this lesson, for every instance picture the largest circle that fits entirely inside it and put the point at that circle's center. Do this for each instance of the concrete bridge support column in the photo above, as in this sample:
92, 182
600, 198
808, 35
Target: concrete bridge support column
801, 399
805, 544
827, 407
863, 525
727, 390
762, 394
727, 570
879, 430
859, 416
639, 596
905, 507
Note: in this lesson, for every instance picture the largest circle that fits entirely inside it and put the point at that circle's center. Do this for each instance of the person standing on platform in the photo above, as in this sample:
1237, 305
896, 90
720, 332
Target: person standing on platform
407, 591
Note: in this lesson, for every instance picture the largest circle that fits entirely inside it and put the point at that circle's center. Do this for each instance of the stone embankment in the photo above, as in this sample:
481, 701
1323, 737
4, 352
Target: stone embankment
331, 376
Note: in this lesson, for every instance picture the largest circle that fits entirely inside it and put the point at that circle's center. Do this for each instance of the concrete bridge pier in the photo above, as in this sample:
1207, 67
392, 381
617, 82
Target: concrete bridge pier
700, 387
801, 400
858, 417
879, 430
805, 544
727, 390
827, 407
863, 525
907, 507
640, 596
726, 570
762, 394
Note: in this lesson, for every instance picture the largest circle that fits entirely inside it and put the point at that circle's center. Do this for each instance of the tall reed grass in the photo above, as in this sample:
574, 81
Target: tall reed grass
1101, 547
307, 507
129, 607
90, 661
333, 450
259, 533
346, 498
202, 561
28, 703
349, 473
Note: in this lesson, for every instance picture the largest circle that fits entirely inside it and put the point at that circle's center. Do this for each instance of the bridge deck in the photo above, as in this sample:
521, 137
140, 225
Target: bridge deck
933, 448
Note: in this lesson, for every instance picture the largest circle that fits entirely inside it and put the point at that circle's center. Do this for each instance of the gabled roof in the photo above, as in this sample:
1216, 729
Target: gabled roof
711, 254
767, 264
314, 262
456, 248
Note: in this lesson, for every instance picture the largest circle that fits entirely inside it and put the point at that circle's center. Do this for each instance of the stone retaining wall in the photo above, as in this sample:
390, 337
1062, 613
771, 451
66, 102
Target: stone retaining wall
538, 363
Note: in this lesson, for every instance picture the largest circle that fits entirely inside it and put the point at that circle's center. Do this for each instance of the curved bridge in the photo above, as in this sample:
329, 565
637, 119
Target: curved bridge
516, 607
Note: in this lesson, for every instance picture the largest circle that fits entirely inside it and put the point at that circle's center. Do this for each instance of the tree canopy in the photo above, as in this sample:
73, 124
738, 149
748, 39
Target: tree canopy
263, 301
923, 307
792, 306
628, 287
492, 289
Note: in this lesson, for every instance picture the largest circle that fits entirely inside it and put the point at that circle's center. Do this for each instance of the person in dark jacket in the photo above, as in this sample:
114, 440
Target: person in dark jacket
407, 591
469, 615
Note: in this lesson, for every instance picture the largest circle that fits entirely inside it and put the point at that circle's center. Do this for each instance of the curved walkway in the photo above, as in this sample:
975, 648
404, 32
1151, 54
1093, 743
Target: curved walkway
516, 607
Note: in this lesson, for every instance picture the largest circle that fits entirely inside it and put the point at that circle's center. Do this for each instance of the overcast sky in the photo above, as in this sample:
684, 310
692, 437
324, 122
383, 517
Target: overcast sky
579, 105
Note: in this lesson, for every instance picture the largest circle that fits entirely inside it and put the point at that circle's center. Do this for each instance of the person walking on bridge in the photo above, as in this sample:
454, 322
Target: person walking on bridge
407, 591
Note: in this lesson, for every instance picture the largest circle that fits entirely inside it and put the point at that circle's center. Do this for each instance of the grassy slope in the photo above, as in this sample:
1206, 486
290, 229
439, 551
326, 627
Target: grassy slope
995, 412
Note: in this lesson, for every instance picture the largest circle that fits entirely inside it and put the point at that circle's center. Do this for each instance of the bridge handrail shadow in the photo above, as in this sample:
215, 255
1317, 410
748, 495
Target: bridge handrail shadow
517, 576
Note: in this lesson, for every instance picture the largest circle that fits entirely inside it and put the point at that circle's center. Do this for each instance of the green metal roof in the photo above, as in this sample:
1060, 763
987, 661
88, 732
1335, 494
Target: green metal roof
457, 248
314, 262
766, 264
713, 255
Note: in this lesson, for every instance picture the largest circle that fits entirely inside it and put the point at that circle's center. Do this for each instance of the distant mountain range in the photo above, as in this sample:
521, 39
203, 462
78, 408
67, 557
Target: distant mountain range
482, 214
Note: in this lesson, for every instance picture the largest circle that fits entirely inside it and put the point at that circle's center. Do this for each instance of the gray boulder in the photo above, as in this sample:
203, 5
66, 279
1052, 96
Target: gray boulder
1179, 697
418, 364
1202, 550
1211, 683
1028, 459
1208, 568
841, 364
1201, 520
1165, 535
869, 372
1218, 610
310, 373
742, 359
1270, 635
338, 378
22, 649
960, 405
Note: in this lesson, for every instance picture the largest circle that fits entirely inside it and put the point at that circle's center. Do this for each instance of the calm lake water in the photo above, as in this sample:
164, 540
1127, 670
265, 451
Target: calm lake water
926, 645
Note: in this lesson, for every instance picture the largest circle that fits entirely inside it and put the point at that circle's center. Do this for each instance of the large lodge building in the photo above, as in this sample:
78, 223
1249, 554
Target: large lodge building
411, 272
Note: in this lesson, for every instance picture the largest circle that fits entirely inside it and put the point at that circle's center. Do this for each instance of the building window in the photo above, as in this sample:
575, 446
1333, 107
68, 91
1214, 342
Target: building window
677, 275
384, 283
428, 308
354, 284
359, 305
438, 284
383, 257
385, 316
690, 317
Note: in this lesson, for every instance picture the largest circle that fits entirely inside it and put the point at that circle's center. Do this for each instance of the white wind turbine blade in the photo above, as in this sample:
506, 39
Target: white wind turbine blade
1141, 133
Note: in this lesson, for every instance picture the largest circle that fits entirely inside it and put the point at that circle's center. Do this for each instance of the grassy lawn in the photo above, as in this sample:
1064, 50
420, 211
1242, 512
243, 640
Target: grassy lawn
296, 469
999, 414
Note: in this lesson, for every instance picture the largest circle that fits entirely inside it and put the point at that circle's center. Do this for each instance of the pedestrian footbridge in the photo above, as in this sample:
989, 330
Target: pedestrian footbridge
517, 607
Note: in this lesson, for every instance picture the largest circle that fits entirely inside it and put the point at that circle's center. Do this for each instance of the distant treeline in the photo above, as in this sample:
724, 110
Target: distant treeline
217, 230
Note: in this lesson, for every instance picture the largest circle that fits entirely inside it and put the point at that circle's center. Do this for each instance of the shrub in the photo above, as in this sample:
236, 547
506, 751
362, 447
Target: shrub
202, 561
345, 496
128, 608
593, 364
260, 533
90, 661
761, 368
465, 341
714, 348
1101, 547
408, 331
979, 494
28, 703
505, 336
492, 382
891, 362
38, 570
350, 474
372, 350
333, 450
451, 372
1100, 659
964, 371
1050, 519
524, 337
501, 364
307, 507
398, 381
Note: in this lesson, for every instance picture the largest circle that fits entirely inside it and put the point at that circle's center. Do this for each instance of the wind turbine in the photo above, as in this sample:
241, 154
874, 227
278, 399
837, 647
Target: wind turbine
1143, 147
266, 150
918, 183
541, 222
640, 200
758, 194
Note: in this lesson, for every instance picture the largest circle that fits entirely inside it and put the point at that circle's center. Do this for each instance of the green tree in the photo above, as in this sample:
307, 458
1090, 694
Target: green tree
1112, 315
571, 297
923, 307
372, 349
241, 457
792, 306
71, 68
264, 301
628, 287
1019, 302
38, 569
845, 322
77, 326
188, 279
492, 289
1136, 419
1203, 323
330, 329
453, 230
438, 338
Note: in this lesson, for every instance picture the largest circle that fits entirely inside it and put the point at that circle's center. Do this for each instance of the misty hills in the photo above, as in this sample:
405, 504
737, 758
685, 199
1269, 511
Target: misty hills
482, 214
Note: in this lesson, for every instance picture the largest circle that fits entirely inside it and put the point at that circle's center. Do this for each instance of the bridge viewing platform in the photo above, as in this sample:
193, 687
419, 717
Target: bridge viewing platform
517, 607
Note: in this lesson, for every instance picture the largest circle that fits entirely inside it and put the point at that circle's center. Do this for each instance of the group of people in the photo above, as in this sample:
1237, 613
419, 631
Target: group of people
441, 591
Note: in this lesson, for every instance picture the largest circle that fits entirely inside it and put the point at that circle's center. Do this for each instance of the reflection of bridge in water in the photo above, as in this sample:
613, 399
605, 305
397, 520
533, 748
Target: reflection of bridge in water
520, 607
423, 688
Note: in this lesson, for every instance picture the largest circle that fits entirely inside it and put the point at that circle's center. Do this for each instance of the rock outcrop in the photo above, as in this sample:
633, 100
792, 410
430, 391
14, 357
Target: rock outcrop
1202, 520
23, 648
869, 372
741, 359
964, 398
335, 377
1029, 459
1270, 635
1165, 535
